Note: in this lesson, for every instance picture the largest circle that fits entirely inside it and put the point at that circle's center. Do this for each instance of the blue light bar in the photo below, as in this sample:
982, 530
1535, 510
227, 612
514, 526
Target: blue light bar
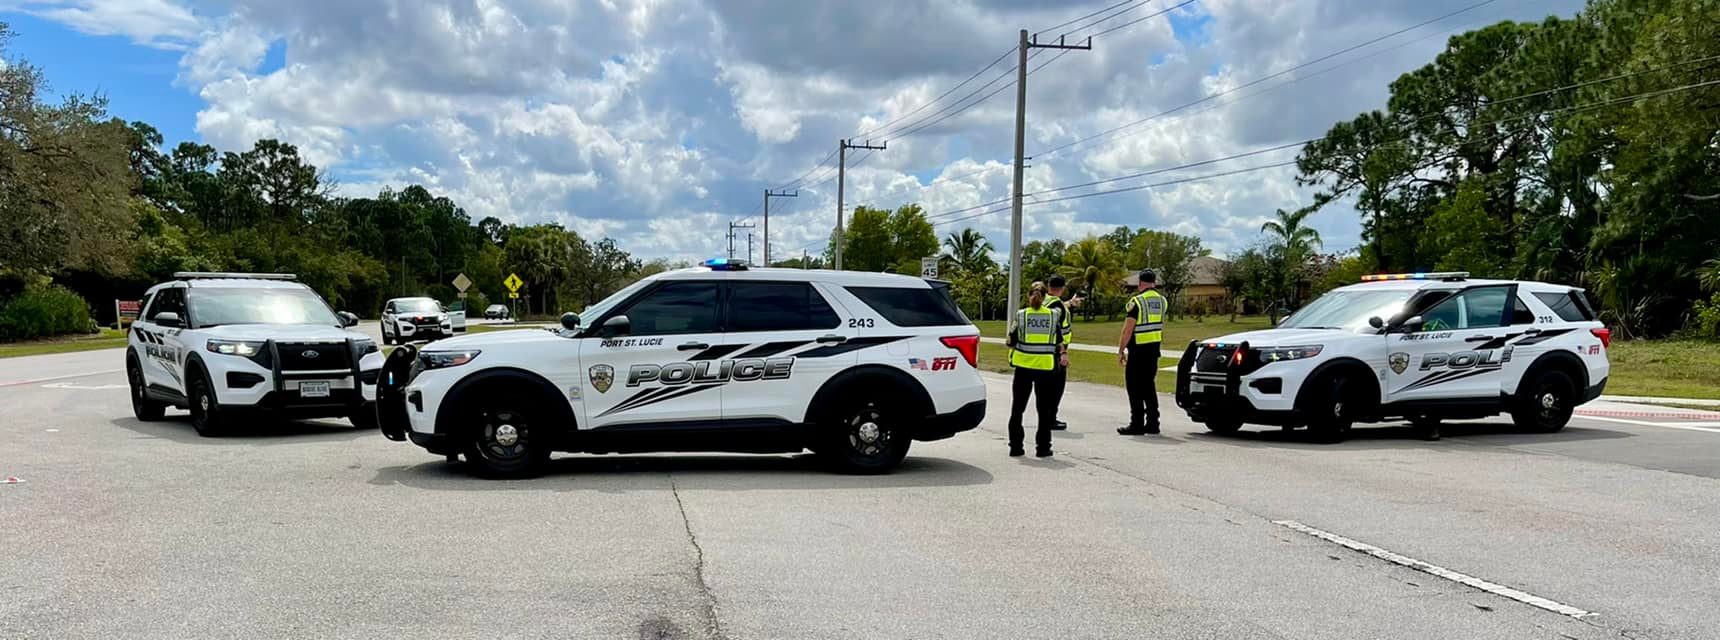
1441, 275
725, 264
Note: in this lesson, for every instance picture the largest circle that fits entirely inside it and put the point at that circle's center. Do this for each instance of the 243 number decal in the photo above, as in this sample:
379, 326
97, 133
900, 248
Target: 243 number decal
855, 323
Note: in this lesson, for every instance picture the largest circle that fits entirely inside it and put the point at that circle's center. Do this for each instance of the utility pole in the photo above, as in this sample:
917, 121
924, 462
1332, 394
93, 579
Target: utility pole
842, 147
803, 262
767, 196
1014, 294
732, 227
749, 247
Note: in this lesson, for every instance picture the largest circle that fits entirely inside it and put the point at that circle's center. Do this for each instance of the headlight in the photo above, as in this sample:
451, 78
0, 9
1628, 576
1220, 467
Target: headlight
363, 346
441, 359
1280, 354
245, 348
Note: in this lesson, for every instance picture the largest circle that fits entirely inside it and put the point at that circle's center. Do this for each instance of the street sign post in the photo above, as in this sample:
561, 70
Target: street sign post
929, 267
513, 282
125, 312
462, 283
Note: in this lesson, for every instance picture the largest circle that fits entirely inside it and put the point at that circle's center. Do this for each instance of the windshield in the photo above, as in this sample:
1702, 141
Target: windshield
596, 310
212, 307
1348, 309
421, 305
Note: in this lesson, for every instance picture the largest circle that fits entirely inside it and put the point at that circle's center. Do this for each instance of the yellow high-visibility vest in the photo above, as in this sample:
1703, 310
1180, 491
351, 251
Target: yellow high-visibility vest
1149, 317
1054, 302
1036, 335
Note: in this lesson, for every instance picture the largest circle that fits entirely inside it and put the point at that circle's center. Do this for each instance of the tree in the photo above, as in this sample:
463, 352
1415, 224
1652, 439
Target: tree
608, 266
1171, 257
1095, 267
969, 251
911, 238
866, 243
1294, 243
65, 179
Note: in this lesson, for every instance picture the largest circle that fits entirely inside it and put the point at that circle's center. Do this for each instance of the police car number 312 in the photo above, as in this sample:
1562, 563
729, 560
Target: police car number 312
713, 358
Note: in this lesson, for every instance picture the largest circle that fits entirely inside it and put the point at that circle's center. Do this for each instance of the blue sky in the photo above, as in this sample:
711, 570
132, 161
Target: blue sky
658, 123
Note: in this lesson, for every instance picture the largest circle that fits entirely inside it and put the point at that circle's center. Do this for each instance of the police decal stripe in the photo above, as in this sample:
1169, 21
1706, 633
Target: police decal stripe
853, 344
769, 349
716, 352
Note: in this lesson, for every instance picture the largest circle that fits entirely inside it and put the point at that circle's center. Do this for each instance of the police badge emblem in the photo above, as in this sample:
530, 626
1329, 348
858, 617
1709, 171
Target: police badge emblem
601, 377
1399, 361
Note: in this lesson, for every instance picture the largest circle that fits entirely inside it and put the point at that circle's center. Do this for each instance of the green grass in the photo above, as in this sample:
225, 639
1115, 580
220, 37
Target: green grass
1668, 368
1178, 331
107, 339
1084, 366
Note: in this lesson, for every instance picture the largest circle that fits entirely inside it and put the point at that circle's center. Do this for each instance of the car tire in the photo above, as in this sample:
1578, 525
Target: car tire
206, 415
1545, 402
1223, 425
863, 438
145, 409
383, 329
1333, 409
506, 438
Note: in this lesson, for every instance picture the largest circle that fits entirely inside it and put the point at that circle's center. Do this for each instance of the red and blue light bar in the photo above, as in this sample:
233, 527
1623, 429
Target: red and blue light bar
1436, 275
725, 264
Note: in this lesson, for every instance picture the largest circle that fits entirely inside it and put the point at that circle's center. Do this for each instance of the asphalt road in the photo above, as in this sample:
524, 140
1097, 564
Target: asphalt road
129, 529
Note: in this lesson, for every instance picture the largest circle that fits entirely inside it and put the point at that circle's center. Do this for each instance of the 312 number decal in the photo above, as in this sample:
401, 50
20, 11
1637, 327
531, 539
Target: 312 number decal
856, 323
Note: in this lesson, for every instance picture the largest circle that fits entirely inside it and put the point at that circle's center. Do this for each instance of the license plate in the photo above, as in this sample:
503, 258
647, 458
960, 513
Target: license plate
313, 389
1201, 388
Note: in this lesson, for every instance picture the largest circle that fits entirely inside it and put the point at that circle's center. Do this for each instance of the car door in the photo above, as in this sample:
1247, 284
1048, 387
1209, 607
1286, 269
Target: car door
162, 348
1459, 349
660, 370
456, 315
782, 341
389, 313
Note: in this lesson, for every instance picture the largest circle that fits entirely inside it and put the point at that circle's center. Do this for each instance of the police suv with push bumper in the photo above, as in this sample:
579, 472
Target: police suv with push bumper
223, 344
406, 319
1424, 347
714, 358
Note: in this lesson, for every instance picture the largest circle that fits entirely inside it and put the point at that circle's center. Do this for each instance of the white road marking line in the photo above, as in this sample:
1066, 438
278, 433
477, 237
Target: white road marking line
84, 387
1710, 427
1495, 589
51, 379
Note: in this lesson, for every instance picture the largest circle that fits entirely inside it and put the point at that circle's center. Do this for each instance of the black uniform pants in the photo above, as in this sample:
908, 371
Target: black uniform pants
1038, 383
1142, 374
1054, 386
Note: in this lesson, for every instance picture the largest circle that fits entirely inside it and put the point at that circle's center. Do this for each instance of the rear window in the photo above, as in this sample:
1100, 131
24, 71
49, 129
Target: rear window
912, 307
1566, 305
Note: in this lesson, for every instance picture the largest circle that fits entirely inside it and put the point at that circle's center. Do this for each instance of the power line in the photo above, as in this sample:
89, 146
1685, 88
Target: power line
803, 176
1142, 19
1555, 112
1065, 24
933, 101
1259, 80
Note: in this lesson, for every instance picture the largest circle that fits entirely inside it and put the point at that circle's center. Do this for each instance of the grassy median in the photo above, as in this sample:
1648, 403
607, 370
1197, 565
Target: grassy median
106, 339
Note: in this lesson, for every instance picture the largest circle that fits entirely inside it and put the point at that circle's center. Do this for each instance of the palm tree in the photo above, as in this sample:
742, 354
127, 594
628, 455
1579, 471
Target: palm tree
1295, 243
969, 250
1090, 264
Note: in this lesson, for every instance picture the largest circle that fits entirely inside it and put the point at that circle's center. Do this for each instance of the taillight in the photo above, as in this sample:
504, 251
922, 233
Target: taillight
967, 345
1605, 335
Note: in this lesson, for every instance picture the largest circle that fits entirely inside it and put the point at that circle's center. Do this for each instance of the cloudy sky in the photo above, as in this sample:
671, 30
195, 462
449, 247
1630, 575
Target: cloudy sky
657, 122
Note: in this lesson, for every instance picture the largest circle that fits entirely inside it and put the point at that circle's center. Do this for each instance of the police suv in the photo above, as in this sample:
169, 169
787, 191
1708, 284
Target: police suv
713, 358
225, 344
406, 319
1423, 347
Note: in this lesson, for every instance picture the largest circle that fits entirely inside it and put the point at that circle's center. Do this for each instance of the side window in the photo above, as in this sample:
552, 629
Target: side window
778, 306
912, 306
168, 300
1520, 313
1565, 305
389, 308
677, 307
1479, 308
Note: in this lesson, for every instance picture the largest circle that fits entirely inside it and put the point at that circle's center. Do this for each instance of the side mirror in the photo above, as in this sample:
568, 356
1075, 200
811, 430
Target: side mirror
347, 319
168, 319
1376, 322
570, 321
616, 326
1412, 325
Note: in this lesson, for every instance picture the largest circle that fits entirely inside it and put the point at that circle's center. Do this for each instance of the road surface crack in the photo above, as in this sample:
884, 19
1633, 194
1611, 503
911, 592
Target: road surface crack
713, 624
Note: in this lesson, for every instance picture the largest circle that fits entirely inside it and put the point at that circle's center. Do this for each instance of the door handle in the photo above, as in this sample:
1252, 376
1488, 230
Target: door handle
832, 339
694, 346
1478, 338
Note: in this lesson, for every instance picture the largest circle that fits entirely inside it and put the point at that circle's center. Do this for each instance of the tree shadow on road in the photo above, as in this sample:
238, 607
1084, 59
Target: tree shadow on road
1403, 436
253, 433
738, 472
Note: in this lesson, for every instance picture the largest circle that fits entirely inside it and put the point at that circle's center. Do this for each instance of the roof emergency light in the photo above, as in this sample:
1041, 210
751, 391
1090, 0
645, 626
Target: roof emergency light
1437, 275
725, 264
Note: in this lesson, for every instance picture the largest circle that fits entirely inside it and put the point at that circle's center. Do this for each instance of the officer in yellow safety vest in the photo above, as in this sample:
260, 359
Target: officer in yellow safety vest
1036, 350
1138, 352
1055, 287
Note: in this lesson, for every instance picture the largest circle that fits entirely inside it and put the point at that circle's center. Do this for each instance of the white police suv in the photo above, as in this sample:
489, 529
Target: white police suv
405, 319
713, 358
1423, 347
229, 345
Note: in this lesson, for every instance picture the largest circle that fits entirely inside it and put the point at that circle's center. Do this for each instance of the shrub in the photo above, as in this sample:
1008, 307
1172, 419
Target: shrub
1705, 318
41, 311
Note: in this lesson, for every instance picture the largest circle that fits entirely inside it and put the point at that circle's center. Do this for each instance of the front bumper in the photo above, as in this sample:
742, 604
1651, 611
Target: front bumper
1243, 392
406, 330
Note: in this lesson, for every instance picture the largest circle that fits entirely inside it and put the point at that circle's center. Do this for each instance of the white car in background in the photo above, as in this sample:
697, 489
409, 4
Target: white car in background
407, 319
